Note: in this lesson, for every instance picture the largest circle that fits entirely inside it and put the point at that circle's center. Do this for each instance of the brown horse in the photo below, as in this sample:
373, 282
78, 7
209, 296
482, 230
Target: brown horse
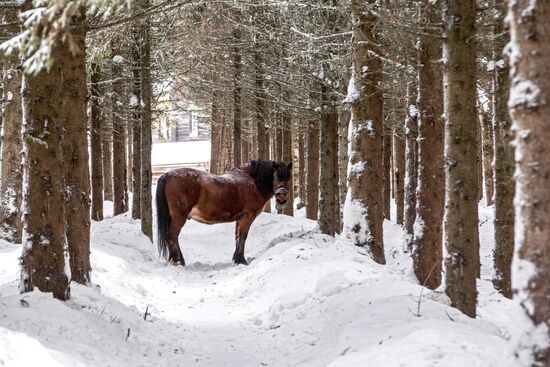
239, 195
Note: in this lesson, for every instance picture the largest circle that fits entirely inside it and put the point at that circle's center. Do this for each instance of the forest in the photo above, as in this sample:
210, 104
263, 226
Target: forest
384, 162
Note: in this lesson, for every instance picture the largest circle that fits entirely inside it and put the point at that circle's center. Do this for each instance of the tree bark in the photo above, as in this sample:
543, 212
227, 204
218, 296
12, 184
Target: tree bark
146, 130
119, 138
411, 167
343, 158
76, 159
96, 124
301, 186
216, 122
135, 121
399, 170
44, 241
488, 155
430, 198
461, 170
107, 150
387, 154
11, 177
364, 207
329, 208
287, 158
237, 99
504, 158
530, 110
312, 185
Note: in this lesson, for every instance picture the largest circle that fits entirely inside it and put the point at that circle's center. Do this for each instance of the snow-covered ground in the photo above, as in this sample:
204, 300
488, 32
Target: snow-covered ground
305, 300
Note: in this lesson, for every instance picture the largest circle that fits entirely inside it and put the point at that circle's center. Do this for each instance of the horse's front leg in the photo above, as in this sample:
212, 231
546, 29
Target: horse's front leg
241, 233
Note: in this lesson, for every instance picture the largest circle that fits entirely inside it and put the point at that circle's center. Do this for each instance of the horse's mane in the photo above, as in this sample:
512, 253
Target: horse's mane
262, 172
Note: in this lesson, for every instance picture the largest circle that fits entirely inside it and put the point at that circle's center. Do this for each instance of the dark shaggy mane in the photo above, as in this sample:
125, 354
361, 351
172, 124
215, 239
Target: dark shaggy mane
263, 171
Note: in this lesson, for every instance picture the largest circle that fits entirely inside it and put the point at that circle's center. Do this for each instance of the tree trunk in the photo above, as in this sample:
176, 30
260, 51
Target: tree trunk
287, 158
461, 211
237, 98
411, 167
343, 158
312, 186
75, 157
96, 123
364, 207
11, 177
216, 126
119, 137
488, 155
146, 130
329, 207
44, 241
504, 159
135, 122
129, 145
387, 154
107, 150
430, 198
301, 166
530, 110
399, 170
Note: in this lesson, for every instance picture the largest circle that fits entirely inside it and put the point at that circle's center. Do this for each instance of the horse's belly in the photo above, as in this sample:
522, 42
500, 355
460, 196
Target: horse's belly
202, 217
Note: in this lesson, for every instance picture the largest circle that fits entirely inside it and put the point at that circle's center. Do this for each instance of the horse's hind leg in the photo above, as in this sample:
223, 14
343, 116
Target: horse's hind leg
175, 256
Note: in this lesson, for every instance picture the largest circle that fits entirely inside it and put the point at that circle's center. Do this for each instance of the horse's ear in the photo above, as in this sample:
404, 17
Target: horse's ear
290, 166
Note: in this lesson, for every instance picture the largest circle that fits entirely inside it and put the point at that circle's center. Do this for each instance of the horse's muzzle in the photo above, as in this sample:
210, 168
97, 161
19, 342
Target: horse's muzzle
281, 198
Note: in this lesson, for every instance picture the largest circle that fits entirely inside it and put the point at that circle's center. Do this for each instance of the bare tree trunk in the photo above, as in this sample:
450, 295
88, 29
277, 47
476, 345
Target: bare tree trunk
301, 166
11, 177
461, 170
146, 130
96, 123
129, 146
430, 198
387, 154
364, 207
411, 167
312, 186
75, 157
45, 244
237, 98
135, 122
287, 158
399, 170
107, 150
278, 137
329, 208
261, 115
488, 155
504, 159
343, 158
216, 126
530, 110
119, 137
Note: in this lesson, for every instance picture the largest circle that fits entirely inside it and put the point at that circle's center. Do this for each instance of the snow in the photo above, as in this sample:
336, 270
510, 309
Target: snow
118, 59
134, 101
306, 299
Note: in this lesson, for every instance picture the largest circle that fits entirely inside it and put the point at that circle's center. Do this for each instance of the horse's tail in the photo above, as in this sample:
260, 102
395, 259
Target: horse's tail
163, 217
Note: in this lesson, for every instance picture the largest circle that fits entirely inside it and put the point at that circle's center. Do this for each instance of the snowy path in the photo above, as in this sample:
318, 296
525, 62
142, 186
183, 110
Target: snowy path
304, 300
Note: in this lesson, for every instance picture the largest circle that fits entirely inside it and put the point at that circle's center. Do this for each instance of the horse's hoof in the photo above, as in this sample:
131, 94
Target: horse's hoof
176, 262
240, 260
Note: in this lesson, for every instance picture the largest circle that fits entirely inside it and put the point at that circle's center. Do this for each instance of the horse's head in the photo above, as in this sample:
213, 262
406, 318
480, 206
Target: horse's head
281, 182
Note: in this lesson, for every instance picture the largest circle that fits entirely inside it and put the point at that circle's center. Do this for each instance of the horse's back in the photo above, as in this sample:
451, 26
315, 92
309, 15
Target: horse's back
210, 198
